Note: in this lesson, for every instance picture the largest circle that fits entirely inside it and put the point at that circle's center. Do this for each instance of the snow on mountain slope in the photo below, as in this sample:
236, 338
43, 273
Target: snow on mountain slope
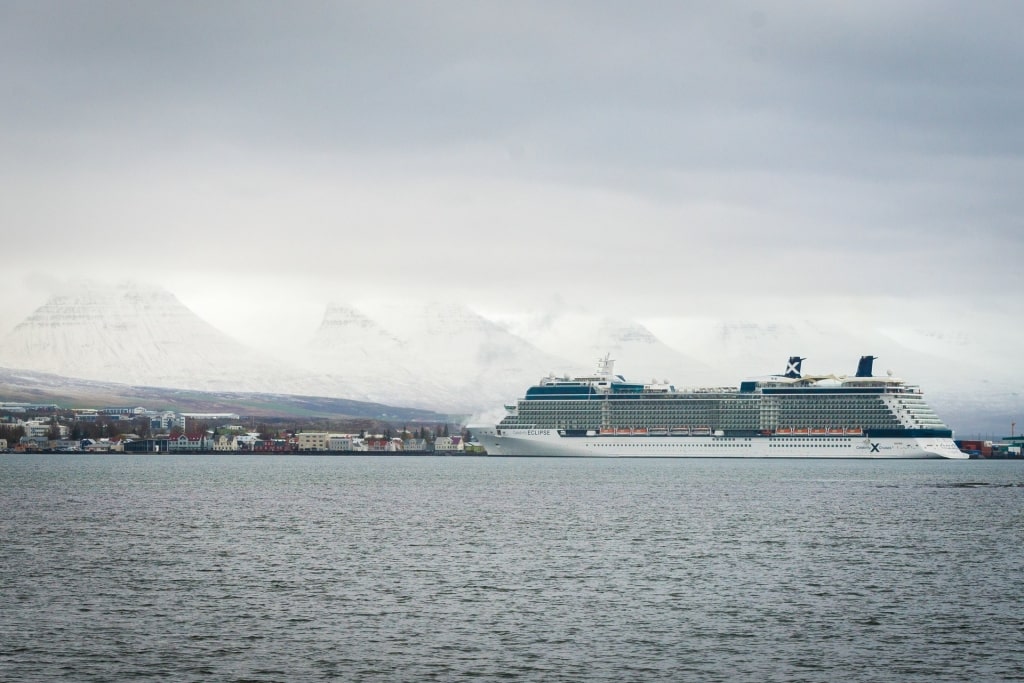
985, 347
344, 325
443, 354
583, 337
137, 334
373, 361
754, 349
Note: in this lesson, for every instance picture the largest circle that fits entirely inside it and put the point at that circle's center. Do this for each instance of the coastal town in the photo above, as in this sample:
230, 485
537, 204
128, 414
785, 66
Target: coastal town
50, 428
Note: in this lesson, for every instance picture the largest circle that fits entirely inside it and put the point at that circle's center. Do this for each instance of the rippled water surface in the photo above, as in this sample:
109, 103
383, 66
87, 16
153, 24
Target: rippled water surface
415, 569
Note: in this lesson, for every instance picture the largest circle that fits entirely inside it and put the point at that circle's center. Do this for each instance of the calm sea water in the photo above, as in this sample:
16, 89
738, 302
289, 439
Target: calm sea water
241, 568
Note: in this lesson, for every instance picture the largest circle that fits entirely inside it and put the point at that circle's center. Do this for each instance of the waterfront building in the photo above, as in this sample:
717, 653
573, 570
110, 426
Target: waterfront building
247, 442
271, 446
343, 442
312, 441
193, 443
158, 445
416, 446
381, 445
448, 444
225, 443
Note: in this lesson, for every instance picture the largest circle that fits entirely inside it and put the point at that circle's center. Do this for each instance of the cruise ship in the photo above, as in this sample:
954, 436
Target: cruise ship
791, 415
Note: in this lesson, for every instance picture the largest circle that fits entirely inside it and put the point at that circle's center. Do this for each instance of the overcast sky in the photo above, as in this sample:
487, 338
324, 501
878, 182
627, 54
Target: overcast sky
665, 158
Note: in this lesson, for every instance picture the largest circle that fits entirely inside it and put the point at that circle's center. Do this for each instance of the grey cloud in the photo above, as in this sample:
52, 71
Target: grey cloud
587, 82
858, 139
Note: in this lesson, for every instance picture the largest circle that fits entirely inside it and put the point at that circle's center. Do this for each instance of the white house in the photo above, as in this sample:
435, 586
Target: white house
449, 443
416, 445
344, 442
225, 442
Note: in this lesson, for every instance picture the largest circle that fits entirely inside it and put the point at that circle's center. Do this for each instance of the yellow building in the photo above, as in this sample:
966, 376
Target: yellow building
313, 441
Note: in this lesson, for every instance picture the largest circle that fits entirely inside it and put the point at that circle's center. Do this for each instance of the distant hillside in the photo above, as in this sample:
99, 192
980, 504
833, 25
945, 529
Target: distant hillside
38, 387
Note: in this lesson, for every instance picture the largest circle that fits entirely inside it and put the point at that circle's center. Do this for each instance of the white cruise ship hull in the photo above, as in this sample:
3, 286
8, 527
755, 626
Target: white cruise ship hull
548, 442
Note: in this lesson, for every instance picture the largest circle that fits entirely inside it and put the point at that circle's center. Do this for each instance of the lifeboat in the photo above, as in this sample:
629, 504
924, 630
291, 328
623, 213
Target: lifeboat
658, 431
607, 432
623, 431
680, 431
855, 431
784, 431
640, 431
818, 431
801, 431
701, 431
834, 430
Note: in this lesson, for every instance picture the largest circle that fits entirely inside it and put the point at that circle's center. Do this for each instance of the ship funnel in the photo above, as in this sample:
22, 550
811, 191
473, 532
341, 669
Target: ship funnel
864, 366
793, 367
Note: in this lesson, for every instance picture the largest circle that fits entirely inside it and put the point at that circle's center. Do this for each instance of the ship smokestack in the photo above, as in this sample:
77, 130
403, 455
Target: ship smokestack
793, 367
864, 366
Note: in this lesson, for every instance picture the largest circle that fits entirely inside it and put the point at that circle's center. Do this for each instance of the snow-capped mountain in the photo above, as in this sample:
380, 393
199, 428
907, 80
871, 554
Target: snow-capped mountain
373, 361
137, 334
438, 354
